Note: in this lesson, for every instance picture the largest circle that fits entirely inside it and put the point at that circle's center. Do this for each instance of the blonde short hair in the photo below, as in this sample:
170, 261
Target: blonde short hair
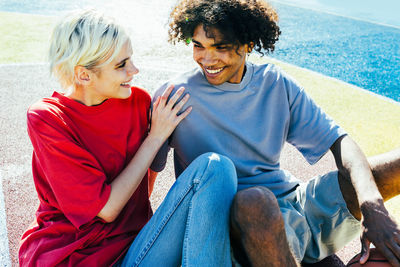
86, 38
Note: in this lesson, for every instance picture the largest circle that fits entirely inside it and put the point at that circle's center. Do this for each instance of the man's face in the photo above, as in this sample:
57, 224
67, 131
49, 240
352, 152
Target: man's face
221, 62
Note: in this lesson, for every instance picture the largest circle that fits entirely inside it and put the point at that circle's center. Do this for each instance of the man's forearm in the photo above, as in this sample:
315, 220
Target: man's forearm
353, 164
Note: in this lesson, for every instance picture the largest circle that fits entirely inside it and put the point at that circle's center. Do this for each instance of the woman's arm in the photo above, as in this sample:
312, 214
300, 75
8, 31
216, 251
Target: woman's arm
164, 120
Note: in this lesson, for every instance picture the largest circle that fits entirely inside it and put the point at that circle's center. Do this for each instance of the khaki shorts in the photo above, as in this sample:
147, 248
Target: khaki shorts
317, 221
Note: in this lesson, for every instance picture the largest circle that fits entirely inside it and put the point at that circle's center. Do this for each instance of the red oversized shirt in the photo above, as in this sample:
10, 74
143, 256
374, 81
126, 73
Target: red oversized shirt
78, 150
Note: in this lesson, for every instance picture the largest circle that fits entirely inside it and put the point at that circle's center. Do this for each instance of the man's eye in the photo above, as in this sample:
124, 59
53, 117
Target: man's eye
221, 47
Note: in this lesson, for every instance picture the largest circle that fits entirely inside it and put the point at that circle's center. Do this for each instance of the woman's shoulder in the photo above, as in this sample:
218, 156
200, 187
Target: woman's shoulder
44, 107
138, 92
140, 98
47, 111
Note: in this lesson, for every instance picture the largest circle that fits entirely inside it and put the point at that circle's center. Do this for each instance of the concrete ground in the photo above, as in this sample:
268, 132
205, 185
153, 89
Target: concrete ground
23, 84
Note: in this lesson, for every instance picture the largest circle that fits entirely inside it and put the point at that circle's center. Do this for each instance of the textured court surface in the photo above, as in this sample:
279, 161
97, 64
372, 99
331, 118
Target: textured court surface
22, 85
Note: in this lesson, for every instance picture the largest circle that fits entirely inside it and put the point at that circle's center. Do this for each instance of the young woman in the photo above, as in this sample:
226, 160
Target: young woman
92, 148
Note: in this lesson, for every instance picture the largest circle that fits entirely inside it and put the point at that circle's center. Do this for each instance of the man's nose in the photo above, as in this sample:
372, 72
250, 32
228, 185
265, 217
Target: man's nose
209, 58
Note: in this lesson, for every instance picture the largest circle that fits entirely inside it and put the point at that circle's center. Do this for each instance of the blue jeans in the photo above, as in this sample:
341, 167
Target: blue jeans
191, 226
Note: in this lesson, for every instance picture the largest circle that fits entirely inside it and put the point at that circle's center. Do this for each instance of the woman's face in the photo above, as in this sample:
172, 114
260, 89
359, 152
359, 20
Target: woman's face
109, 81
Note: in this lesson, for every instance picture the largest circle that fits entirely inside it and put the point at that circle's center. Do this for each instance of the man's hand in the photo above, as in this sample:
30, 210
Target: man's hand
365, 201
379, 228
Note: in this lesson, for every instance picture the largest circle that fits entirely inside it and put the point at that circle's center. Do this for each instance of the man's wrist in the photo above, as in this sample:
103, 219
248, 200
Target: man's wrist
372, 207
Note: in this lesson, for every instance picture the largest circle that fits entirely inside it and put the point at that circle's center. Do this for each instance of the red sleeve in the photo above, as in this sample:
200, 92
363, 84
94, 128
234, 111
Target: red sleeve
77, 182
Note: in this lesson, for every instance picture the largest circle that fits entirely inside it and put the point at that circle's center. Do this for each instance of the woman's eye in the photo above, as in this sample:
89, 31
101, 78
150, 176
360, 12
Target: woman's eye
122, 65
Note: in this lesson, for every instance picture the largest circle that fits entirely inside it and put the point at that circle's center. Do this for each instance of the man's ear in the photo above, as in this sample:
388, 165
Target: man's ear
82, 75
250, 47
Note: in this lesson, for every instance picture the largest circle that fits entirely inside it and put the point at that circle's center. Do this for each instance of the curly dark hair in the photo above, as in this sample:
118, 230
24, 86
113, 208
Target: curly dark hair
252, 22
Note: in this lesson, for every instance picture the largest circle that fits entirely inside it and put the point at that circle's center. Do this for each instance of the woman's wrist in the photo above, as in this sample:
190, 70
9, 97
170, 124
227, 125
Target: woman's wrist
155, 141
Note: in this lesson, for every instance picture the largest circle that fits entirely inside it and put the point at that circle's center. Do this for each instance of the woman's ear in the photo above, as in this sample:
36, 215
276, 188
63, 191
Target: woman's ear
82, 75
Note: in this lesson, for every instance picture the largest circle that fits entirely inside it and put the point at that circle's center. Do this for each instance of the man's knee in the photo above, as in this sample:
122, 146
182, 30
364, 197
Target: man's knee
257, 228
255, 205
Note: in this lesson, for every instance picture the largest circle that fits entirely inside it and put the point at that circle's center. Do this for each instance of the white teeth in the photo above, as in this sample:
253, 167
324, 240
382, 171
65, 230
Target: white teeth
214, 71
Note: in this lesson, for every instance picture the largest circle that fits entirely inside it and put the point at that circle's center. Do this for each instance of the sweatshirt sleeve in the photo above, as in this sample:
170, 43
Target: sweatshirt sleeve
311, 130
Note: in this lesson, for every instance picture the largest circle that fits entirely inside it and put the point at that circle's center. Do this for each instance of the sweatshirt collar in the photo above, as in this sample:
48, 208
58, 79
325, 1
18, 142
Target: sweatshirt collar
238, 86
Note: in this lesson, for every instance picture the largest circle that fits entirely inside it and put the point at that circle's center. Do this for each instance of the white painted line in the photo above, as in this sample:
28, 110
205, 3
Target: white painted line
4, 249
142, 65
6, 65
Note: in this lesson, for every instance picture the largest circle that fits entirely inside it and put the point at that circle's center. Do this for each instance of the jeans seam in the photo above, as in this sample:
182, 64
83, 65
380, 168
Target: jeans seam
185, 248
163, 223
196, 182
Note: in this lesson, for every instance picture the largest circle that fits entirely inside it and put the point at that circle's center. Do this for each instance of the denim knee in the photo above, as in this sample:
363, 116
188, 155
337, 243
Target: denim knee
221, 166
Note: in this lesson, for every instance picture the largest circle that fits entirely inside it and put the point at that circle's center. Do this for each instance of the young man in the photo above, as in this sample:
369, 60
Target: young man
247, 112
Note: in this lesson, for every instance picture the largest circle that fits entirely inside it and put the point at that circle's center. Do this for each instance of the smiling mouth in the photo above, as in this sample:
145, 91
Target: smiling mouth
213, 71
128, 83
